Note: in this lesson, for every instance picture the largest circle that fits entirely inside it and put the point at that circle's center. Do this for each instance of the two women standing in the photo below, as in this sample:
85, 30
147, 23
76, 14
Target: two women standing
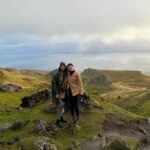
67, 85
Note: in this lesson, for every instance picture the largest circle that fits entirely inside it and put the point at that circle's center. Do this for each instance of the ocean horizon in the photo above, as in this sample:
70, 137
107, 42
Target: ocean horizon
46, 60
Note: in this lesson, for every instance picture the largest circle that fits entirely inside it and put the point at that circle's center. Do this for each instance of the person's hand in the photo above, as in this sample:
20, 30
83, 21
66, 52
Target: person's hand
57, 96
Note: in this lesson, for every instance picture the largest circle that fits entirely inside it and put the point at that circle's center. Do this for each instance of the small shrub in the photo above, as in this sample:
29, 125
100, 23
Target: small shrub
117, 145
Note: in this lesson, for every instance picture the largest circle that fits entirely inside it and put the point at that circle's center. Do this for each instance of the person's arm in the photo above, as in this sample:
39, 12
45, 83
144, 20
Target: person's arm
55, 85
80, 84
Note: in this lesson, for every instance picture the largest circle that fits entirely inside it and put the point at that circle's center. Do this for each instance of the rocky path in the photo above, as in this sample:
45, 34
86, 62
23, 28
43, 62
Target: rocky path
122, 89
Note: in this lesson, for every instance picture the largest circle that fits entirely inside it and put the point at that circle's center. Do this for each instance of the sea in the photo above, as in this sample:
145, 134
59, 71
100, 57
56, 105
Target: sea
47, 60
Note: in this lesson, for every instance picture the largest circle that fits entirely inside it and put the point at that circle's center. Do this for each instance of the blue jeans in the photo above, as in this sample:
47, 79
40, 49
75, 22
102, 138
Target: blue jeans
60, 108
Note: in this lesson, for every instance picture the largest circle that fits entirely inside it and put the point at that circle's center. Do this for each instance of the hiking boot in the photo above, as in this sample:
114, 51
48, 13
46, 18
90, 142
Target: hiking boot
74, 120
62, 120
77, 121
58, 123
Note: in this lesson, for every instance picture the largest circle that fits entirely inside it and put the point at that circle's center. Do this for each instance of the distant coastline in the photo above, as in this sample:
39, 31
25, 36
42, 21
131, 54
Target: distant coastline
39, 60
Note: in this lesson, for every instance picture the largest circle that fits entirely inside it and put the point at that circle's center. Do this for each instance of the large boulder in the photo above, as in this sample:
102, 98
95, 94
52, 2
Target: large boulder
45, 143
35, 98
10, 87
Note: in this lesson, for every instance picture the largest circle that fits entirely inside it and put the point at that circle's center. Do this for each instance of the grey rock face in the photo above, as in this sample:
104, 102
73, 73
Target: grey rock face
85, 103
42, 125
36, 98
10, 87
12, 125
50, 108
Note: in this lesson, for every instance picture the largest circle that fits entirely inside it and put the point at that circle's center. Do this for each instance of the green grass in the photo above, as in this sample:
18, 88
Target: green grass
134, 143
110, 107
86, 130
136, 102
28, 79
67, 135
12, 99
145, 109
115, 75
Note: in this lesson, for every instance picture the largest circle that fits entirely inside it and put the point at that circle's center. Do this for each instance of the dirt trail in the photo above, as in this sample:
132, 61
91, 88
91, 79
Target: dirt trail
121, 88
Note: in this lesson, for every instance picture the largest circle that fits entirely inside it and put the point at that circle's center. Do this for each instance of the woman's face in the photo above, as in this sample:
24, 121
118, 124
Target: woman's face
71, 68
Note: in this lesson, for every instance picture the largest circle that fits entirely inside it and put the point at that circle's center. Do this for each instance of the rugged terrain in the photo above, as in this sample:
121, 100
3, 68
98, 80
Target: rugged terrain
117, 116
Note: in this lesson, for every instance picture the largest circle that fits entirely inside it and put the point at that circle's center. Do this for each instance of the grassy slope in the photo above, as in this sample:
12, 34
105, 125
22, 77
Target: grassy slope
134, 98
134, 92
115, 75
28, 79
135, 102
33, 80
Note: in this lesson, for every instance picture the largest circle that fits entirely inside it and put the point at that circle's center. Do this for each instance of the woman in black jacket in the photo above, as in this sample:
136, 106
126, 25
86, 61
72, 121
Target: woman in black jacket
59, 84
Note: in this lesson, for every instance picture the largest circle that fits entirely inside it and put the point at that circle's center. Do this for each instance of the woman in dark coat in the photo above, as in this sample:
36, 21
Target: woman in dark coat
59, 85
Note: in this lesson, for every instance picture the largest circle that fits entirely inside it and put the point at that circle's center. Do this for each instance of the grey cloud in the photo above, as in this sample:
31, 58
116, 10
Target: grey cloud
34, 24
51, 17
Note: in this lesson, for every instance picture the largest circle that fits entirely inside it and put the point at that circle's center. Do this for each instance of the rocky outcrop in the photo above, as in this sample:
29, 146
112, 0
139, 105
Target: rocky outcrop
45, 143
118, 130
85, 103
117, 127
10, 87
50, 108
35, 98
9, 109
99, 79
73, 145
119, 123
41, 125
12, 126
94, 143
95, 77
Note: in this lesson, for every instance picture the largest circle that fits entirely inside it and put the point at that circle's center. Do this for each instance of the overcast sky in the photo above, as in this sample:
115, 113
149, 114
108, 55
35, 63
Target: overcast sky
75, 26
91, 24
